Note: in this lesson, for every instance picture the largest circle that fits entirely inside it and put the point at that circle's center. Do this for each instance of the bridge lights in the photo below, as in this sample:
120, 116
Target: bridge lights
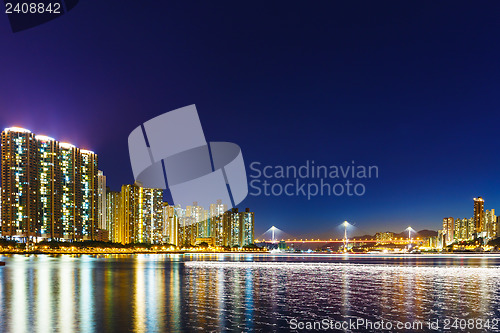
345, 224
410, 229
273, 228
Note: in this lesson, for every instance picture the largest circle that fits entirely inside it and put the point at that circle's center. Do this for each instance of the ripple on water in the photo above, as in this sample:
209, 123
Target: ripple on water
315, 291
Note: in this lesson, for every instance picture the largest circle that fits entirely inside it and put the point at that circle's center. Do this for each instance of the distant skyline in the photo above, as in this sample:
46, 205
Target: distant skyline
411, 88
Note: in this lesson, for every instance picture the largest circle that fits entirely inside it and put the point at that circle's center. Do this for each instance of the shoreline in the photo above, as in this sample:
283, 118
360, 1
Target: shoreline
283, 254
131, 252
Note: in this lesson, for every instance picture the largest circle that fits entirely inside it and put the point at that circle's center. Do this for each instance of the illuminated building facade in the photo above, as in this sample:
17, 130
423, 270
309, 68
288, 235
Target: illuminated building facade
248, 224
142, 214
498, 227
170, 225
19, 183
188, 229
440, 239
239, 227
490, 224
471, 228
234, 227
49, 188
218, 229
53, 190
460, 232
71, 191
448, 230
478, 215
101, 201
464, 229
430, 242
113, 222
195, 224
138, 215
200, 222
89, 205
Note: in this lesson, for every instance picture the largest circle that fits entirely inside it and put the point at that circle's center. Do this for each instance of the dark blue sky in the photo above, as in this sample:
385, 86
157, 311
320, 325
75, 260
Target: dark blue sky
410, 87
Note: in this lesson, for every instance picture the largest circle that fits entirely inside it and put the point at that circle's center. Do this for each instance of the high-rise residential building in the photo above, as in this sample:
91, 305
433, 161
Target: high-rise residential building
89, 185
248, 224
71, 219
490, 224
19, 183
240, 227
141, 211
449, 230
478, 215
194, 225
234, 227
138, 215
193, 217
204, 225
114, 223
101, 201
471, 228
197, 220
170, 225
188, 228
430, 242
183, 236
458, 230
440, 239
464, 229
50, 188
217, 228
200, 217
497, 227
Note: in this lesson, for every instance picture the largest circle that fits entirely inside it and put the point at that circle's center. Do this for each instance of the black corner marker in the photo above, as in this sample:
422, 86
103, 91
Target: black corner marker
26, 14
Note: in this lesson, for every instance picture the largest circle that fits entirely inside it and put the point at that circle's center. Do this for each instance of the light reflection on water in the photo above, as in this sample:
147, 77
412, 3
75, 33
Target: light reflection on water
174, 293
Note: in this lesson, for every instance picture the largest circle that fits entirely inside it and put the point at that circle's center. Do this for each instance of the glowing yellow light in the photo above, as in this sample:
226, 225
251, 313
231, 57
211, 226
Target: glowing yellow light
44, 138
17, 129
66, 145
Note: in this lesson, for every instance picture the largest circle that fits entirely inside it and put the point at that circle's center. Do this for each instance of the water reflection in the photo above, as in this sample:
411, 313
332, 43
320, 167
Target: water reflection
19, 311
43, 298
175, 293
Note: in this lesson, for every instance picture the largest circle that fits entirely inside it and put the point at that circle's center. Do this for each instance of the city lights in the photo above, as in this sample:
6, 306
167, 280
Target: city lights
69, 202
346, 241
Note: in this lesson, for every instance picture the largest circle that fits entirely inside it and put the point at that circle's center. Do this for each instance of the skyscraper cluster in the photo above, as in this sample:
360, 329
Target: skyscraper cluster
484, 224
139, 215
49, 188
134, 215
53, 190
216, 226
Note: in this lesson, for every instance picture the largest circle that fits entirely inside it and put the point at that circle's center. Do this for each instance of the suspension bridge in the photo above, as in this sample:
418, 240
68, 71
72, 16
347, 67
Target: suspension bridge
275, 235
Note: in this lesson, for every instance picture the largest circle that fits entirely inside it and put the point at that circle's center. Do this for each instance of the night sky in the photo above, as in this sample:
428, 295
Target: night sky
412, 87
